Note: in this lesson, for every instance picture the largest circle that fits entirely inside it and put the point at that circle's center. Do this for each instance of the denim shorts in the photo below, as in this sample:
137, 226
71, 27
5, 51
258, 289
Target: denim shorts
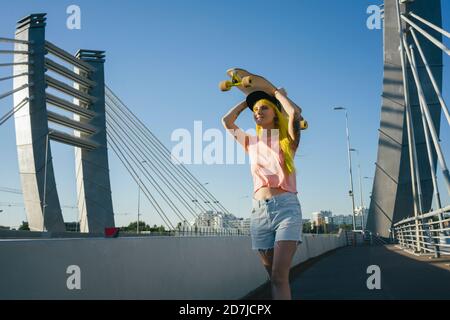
275, 219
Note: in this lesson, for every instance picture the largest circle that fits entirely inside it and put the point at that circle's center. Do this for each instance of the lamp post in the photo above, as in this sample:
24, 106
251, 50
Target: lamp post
139, 197
360, 188
349, 165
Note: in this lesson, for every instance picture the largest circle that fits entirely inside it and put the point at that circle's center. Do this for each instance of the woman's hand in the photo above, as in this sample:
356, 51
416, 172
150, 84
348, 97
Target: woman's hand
291, 109
282, 91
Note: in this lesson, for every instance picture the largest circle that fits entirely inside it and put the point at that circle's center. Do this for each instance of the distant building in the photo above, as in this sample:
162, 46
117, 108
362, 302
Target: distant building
326, 218
342, 219
220, 220
245, 226
361, 212
321, 217
317, 218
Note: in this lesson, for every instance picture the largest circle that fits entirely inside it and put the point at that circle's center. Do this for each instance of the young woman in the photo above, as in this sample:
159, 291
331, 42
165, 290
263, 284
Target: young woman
276, 219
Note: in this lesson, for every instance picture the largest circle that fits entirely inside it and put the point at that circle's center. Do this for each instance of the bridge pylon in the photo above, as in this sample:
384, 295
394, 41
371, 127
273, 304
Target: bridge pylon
78, 90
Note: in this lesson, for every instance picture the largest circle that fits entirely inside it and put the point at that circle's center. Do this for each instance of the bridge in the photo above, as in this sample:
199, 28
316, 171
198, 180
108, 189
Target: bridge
407, 233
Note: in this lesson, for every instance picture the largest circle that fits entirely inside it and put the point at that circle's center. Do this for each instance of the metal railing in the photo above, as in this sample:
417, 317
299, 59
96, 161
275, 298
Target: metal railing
209, 231
426, 233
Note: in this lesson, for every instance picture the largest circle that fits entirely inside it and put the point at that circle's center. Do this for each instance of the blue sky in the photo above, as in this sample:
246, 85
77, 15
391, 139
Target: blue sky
166, 58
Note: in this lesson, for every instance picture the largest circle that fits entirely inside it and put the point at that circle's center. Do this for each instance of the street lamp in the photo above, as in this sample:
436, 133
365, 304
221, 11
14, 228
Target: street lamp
139, 195
349, 165
360, 188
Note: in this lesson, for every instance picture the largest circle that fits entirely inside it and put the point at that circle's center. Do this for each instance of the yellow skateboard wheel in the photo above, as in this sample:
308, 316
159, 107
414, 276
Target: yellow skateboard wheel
225, 85
303, 125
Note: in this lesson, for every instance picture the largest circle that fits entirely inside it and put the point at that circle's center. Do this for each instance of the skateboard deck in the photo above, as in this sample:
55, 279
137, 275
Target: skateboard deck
248, 82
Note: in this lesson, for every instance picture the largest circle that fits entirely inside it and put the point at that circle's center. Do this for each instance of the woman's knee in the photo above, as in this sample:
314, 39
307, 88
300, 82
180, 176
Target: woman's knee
280, 277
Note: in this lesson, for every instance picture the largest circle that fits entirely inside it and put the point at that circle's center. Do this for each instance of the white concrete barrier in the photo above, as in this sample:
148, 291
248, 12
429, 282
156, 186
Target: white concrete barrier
139, 268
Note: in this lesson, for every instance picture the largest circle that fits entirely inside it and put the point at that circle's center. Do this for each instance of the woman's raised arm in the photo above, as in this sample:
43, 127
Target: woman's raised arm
228, 122
294, 116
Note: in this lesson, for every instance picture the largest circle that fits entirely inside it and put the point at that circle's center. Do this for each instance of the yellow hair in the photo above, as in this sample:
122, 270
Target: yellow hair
284, 138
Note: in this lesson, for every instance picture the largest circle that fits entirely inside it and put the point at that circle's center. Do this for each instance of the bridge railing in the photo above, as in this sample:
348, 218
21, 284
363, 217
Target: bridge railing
426, 233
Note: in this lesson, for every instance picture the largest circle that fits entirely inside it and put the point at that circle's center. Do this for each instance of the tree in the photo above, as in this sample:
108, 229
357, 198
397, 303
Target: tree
155, 228
346, 227
307, 227
132, 227
24, 226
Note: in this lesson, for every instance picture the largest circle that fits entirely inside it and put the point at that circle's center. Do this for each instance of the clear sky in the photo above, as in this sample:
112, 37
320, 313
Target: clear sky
166, 58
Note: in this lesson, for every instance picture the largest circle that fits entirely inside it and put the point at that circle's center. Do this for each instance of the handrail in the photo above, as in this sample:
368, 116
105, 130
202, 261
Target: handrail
428, 234
424, 216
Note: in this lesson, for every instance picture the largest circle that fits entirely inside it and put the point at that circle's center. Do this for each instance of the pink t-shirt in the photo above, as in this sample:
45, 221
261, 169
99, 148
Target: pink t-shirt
267, 165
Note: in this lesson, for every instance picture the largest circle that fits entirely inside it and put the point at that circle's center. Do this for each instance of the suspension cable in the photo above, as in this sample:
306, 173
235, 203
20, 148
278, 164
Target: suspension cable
11, 112
131, 148
135, 176
141, 146
162, 149
153, 161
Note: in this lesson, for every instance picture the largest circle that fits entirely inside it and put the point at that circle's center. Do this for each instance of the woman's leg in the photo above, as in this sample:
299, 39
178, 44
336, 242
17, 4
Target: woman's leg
282, 258
266, 257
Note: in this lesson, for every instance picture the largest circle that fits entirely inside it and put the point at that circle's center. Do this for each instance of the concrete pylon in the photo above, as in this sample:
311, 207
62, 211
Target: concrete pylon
33, 134
392, 198
92, 169
42, 206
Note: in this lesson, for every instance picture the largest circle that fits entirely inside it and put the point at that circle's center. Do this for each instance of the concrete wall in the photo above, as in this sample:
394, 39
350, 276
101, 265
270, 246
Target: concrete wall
140, 268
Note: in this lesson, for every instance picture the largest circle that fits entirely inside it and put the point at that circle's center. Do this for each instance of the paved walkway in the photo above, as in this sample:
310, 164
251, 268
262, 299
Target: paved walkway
342, 274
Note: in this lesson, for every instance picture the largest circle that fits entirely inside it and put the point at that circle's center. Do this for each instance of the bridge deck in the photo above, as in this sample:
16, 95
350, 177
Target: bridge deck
342, 275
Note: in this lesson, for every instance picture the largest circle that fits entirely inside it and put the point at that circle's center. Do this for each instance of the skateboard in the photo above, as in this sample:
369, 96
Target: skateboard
248, 83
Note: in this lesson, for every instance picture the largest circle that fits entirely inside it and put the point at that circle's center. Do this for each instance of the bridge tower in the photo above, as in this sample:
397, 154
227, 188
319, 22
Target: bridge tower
401, 135
78, 90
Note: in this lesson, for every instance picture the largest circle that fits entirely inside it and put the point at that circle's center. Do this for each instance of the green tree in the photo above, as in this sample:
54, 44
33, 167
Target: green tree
346, 227
155, 228
132, 227
24, 226
307, 227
